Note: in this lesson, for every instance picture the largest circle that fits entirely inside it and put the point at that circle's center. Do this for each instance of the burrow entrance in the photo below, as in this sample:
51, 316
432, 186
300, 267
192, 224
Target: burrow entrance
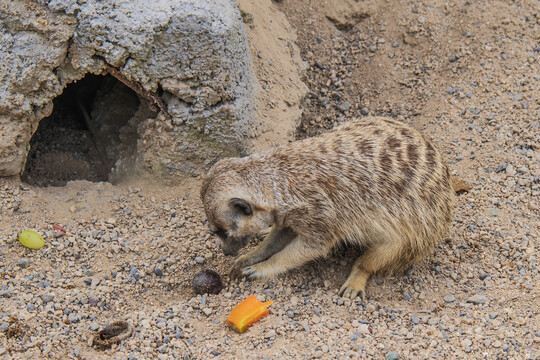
90, 135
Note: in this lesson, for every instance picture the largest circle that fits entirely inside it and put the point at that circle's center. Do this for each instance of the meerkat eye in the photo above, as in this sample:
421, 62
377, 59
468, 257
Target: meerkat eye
241, 205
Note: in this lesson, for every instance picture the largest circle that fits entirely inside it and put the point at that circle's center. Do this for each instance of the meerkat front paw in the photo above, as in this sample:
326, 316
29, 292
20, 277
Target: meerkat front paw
239, 265
261, 270
351, 289
252, 272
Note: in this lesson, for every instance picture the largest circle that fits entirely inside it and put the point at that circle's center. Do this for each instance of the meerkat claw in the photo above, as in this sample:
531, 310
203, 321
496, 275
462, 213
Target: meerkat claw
362, 295
235, 273
238, 266
350, 293
250, 273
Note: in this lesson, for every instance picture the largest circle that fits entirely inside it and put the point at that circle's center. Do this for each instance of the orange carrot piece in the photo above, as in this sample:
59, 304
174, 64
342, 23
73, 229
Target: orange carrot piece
246, 313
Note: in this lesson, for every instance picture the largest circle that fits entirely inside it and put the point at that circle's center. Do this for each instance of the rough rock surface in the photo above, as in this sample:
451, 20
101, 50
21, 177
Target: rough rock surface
189, 59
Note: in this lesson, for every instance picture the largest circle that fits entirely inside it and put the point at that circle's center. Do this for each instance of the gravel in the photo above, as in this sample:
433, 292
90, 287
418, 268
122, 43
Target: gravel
131, 249
23, 263
449, 298
477, 299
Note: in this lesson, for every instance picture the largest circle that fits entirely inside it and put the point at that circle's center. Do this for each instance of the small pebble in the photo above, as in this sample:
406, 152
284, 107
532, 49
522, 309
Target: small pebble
501, 168
207, 311
345, 106
493, 212
477, 299
22, 263
449, 298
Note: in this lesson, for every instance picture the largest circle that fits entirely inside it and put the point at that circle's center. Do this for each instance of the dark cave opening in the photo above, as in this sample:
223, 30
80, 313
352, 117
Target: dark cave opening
93, 125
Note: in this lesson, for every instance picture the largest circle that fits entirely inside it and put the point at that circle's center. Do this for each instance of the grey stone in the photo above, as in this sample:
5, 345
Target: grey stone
193, 52
23, 263
477, 299
449, 298
344, 107
74, 318
501, 167
493, 212
207, 311
4, 327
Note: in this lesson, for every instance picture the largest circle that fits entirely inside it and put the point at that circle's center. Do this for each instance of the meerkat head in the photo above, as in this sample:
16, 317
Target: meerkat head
234, 215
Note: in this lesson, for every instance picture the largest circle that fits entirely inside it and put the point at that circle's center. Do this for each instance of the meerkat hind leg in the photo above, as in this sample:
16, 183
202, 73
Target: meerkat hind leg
373, 260
275, 241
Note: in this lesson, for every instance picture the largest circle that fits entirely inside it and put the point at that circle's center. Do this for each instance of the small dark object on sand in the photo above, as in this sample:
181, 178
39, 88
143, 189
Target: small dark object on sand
207, 282
112, 334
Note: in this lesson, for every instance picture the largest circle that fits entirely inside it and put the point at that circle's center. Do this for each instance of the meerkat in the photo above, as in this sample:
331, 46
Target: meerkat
373, 182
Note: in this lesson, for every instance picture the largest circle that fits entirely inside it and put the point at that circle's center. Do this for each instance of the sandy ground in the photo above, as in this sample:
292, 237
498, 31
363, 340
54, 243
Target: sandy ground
466, 73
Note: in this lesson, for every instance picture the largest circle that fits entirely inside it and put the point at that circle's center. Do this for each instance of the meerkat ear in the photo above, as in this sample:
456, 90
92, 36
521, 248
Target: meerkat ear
241, 205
